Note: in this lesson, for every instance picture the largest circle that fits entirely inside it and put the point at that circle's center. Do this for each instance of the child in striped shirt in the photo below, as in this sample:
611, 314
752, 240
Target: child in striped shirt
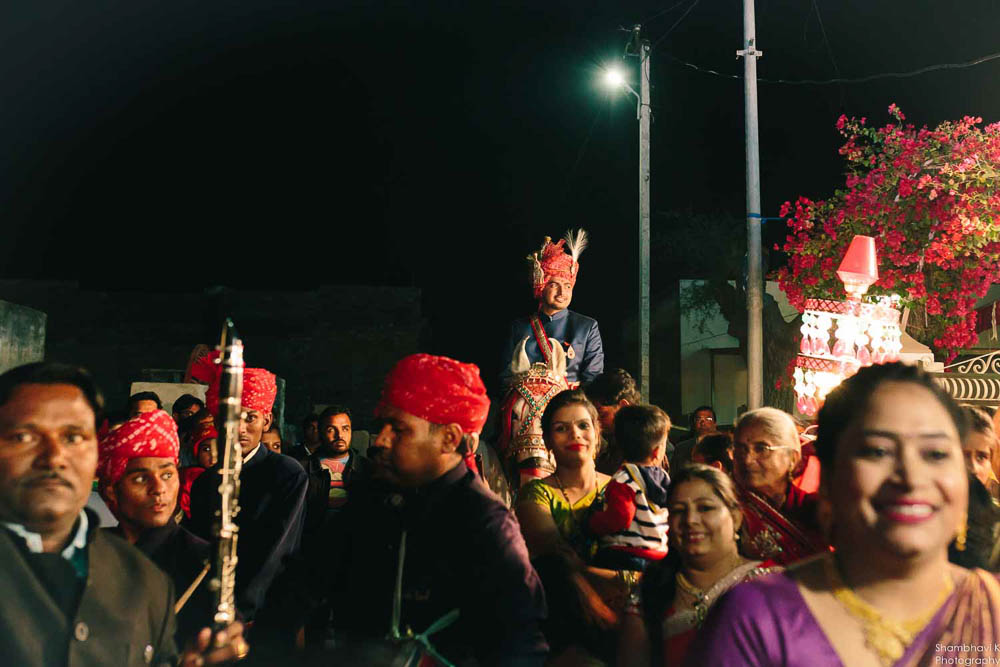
632, 524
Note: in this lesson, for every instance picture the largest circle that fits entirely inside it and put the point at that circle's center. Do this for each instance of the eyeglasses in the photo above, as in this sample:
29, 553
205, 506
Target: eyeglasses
759, 450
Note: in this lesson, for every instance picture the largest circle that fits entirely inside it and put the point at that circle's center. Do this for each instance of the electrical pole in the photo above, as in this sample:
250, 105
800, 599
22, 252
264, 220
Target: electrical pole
644, 220
755, 279
640, 48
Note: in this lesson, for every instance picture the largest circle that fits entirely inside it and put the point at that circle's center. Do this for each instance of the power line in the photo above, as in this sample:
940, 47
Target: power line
661, 13
676, 23
583, 149
839, 80
826, 40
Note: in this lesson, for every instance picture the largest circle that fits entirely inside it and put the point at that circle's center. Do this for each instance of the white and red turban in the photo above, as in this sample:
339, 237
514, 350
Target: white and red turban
146, 434
553, 263
202, 433
438, 389
259, 386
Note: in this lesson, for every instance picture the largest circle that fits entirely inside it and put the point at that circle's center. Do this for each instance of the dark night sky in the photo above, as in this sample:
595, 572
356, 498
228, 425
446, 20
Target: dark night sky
183, 144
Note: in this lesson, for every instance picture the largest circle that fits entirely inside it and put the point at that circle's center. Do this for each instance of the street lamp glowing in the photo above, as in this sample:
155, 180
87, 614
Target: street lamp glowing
614, 78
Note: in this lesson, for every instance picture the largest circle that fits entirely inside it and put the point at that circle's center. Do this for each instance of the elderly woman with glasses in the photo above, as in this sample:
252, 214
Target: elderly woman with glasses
780, 521
894, 482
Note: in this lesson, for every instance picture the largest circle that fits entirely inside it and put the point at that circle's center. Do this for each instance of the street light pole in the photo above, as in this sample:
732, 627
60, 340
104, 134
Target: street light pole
755, 279
640, 48
644, 220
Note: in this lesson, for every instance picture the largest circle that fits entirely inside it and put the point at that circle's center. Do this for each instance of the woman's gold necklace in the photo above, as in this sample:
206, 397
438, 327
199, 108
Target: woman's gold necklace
562, 489
700, 602
699, 598
886, 637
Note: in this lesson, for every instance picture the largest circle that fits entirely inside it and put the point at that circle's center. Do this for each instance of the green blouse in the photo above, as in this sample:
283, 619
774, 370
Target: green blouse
570, 520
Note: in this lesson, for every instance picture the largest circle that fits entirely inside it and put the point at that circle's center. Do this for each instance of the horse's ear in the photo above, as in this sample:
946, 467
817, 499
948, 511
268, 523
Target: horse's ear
519, 362
558, 362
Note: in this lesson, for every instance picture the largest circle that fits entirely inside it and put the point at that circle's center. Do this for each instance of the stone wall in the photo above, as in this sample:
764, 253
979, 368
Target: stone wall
22, 335
331, 345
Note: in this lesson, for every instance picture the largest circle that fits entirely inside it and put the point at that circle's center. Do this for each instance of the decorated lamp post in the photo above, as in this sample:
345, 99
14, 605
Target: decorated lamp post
839, 337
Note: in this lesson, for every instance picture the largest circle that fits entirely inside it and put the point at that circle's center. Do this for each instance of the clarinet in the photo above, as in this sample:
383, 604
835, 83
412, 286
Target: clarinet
223, 583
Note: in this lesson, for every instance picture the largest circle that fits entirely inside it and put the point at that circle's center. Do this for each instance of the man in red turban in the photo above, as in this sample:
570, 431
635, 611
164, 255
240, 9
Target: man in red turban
553, 277
450, 397
147, 435
464, 549
272, 490
138, 478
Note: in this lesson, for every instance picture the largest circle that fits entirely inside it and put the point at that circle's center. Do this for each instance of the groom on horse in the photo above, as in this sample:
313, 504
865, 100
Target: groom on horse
554, 274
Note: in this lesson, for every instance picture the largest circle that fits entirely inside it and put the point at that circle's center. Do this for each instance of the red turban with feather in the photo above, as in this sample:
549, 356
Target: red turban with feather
553, 263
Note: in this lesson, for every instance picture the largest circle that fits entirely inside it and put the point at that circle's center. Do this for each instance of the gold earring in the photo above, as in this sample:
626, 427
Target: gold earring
963, 531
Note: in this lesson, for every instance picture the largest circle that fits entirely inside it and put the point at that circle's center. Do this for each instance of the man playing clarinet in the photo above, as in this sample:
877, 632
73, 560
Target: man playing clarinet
272, 492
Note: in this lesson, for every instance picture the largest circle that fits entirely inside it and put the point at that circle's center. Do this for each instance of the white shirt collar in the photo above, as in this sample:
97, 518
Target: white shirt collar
246, 459
34, 540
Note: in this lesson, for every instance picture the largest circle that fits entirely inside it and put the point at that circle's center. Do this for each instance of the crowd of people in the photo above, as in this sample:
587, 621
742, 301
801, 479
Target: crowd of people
868, 538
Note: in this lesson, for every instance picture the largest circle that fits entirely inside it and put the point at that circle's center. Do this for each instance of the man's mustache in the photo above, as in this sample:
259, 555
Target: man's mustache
47, 476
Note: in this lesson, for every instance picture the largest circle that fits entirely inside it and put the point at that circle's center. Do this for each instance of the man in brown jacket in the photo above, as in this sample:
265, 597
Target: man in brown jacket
73, 595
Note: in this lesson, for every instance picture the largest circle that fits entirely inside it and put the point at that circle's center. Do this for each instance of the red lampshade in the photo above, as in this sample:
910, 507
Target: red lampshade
860, 266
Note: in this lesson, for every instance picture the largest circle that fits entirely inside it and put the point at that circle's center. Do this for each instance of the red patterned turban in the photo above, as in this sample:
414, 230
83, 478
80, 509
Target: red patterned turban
146, 434
552, 263
438, 389
203, 433
259, 386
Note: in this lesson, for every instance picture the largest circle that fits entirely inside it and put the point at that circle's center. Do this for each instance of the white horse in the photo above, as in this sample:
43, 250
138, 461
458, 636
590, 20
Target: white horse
532, 387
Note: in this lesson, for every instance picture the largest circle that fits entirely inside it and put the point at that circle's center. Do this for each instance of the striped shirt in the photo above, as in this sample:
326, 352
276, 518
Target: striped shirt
630, 521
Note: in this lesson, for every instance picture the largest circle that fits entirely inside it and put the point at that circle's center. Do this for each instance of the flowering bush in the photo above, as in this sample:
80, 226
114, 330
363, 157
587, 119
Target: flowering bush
931, 200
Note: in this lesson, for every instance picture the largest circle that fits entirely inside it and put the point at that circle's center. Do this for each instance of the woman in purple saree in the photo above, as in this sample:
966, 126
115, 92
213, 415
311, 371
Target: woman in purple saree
895, 489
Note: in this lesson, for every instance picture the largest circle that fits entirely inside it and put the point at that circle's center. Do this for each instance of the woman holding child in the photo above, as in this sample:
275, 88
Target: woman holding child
553, 514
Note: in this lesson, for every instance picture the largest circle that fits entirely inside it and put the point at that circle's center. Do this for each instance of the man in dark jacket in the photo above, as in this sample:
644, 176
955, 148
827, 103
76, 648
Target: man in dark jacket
310, 439
462, 549
138, 479
332, 470
272, 496
702, 423
72, 594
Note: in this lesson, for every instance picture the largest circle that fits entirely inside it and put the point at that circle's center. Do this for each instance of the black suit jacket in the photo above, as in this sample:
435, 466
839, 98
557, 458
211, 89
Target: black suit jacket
125, 614
464, 551
181, 555
272, 509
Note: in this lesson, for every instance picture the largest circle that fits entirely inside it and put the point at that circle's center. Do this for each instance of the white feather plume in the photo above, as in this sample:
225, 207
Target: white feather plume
576, 244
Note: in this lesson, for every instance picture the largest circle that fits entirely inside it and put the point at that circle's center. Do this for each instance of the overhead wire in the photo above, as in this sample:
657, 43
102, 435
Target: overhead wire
826, 40
669, 30
674, 26
829, 49
580, 153
840, 80
661, 13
